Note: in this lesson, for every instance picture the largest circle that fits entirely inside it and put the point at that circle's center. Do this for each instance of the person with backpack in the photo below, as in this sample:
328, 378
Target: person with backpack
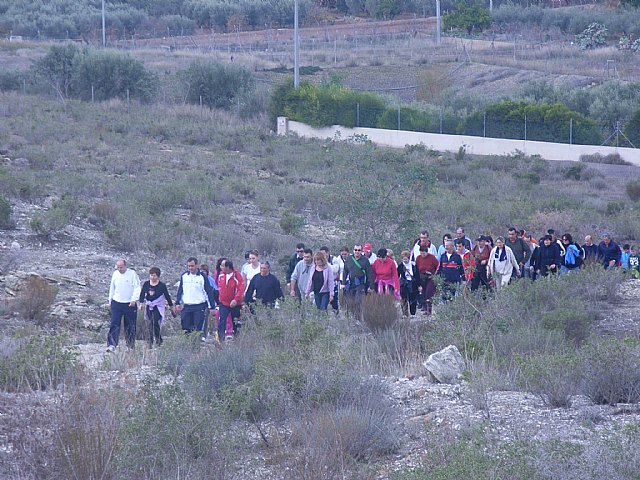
519, 248
573, 257
357, 279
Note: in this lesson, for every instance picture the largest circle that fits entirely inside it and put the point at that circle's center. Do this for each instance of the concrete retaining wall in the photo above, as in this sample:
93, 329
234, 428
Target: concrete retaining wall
452, 143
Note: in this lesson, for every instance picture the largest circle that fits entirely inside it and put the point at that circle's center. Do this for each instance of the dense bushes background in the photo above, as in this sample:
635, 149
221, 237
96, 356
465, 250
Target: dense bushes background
335, 105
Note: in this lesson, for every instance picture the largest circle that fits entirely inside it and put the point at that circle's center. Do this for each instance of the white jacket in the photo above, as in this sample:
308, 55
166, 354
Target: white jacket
502, 267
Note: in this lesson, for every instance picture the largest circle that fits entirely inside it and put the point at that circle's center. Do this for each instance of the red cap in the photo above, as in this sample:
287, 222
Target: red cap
367, 248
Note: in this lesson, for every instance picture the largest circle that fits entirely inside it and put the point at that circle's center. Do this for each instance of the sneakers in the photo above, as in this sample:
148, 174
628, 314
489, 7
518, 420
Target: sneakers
111, 349
228, 337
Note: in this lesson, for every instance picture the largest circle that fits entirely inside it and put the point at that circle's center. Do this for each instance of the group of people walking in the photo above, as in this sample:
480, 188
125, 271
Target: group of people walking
217, 297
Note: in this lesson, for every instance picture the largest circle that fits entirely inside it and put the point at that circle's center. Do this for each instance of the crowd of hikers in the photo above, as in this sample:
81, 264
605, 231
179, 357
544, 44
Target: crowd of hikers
216, 296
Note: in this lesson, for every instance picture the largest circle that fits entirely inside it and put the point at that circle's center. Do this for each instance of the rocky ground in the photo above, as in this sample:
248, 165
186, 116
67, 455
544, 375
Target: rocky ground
80, 264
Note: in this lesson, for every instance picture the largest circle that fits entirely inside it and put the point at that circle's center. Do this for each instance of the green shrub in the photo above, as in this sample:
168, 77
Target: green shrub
12, 80
5, 214
611, 371
37, 363
609, 159
594, 36
113, 75
632, 128
554, 377
544, 122
291, 223
54, 220
472, 18
216, 85
58, 67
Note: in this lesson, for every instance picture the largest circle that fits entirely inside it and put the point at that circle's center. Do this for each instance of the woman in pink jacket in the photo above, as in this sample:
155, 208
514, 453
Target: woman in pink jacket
321, 282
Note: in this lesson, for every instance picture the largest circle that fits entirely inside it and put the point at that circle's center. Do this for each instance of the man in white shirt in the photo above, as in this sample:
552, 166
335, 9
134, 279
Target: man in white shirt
124, 291
195, 293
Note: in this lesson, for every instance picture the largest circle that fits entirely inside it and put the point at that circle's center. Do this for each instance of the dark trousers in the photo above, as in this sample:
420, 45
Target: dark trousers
224, 313
192, 317
409, 296
154, 326
321, 300
130, 314
428, 291
480, 277
336, 301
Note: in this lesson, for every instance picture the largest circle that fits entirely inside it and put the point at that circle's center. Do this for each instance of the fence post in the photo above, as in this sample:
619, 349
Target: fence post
484, 124
571, 131
128, 98
92, 93
525, 128
398, 117
441, 121
357, 114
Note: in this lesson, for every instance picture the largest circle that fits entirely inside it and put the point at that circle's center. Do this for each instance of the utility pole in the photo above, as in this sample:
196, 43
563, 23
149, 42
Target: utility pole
437, 22
104, 34
296, 48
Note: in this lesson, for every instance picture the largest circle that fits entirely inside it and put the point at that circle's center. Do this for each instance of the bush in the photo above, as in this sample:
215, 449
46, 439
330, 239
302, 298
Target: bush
467, 17
37, 363
611, 371
544, 122
5, 214
216, 85
113, 75
633, 189
594, 36
609, 159
54, 220
35, 298
12, 80
290, 223
632, 128
379, 312
57, 67
554, 377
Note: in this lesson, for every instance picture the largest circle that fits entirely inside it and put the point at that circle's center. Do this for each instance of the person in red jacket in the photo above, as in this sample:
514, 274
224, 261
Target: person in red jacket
427, 266
385, 274
231, 287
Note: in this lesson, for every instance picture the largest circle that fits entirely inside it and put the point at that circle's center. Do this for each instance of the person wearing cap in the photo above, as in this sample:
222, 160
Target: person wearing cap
480, 253
367, 250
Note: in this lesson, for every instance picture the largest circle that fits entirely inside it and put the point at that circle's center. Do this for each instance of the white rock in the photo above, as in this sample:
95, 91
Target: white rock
15, 245
445, 366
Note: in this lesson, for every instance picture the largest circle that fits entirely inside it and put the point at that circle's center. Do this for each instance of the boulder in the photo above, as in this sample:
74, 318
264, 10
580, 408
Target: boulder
445, 366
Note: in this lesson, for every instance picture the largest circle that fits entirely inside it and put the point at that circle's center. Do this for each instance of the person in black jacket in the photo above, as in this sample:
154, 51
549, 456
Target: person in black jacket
357, 278
152, 300
409, 277
265, 287
293, 261
451, 270
548, 258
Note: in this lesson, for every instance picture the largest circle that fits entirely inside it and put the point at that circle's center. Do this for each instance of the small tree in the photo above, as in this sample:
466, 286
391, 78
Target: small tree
5, 214
594, 36
215, 84
467, 17
57, 67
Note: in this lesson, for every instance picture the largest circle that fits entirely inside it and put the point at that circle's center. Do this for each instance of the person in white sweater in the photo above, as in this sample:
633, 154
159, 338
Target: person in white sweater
502, 263
124, 291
